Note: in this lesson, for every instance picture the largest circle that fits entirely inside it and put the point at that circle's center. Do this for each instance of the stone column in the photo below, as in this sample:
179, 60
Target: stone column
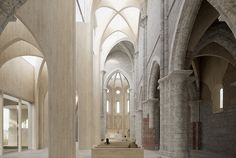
178, 113
1, 123
103, 106
143, 25
30, 138
132, 114
34, 125
105, 113
163, 95
153, 110
139, 120
19, 107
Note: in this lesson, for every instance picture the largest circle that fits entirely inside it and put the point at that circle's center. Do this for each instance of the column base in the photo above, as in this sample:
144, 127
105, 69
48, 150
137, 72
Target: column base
166, 154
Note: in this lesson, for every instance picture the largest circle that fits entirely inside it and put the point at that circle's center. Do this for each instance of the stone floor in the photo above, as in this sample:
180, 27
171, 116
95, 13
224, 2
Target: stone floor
81, 154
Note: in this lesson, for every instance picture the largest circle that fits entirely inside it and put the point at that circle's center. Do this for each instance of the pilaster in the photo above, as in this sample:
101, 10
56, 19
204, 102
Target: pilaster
103, 106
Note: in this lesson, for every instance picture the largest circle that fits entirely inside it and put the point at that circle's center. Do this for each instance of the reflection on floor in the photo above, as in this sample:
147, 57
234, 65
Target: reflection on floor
81, 154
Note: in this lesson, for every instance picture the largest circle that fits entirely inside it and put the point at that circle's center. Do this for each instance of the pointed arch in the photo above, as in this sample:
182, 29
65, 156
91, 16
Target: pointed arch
17, 49
153, 80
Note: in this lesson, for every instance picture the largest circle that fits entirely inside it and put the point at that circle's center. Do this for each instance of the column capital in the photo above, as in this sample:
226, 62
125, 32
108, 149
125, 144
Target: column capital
139, 110
103, 71
136, 53
133, 115
153, 100
182, 74
194, 102
177, 74
143, 21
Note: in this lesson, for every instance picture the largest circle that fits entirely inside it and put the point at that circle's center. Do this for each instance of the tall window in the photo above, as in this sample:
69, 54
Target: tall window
221, 98
128, 106
117, 107
107, 106
25, 124
6, 118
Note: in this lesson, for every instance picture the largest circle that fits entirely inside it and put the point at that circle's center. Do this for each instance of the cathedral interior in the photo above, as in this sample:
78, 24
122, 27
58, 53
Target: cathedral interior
117, 79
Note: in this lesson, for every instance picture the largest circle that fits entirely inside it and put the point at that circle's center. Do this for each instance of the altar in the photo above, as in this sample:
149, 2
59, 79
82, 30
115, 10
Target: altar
117, 150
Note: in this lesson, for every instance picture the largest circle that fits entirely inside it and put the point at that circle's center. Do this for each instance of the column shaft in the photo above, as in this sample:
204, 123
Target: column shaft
162, 83
178, 110
30, 138
132, 115
1, 123
19, 126
103, 107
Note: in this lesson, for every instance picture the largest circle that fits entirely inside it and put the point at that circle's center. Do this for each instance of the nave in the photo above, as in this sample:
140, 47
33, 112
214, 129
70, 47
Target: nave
81, 154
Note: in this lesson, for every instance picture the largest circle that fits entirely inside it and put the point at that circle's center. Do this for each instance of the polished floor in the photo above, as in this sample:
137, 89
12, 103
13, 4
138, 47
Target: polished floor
81, 154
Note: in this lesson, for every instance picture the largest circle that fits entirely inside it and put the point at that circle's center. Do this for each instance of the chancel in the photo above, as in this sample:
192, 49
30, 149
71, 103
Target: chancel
117, 78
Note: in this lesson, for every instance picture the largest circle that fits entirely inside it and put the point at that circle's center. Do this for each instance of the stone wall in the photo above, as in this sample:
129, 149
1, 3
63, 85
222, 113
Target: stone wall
148, 135
218, 129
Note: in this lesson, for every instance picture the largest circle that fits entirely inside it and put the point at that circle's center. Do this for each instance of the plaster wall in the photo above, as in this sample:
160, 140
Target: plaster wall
118, 60
17, 79
139, 57
52, 24
97, 99
84, 86
213, 78
153, 27
42, 90
15, 31
172, 13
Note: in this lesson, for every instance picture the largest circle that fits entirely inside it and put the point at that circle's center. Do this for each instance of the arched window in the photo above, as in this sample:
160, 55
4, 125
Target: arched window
128, 106
108, 106
221, 98
117, 107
